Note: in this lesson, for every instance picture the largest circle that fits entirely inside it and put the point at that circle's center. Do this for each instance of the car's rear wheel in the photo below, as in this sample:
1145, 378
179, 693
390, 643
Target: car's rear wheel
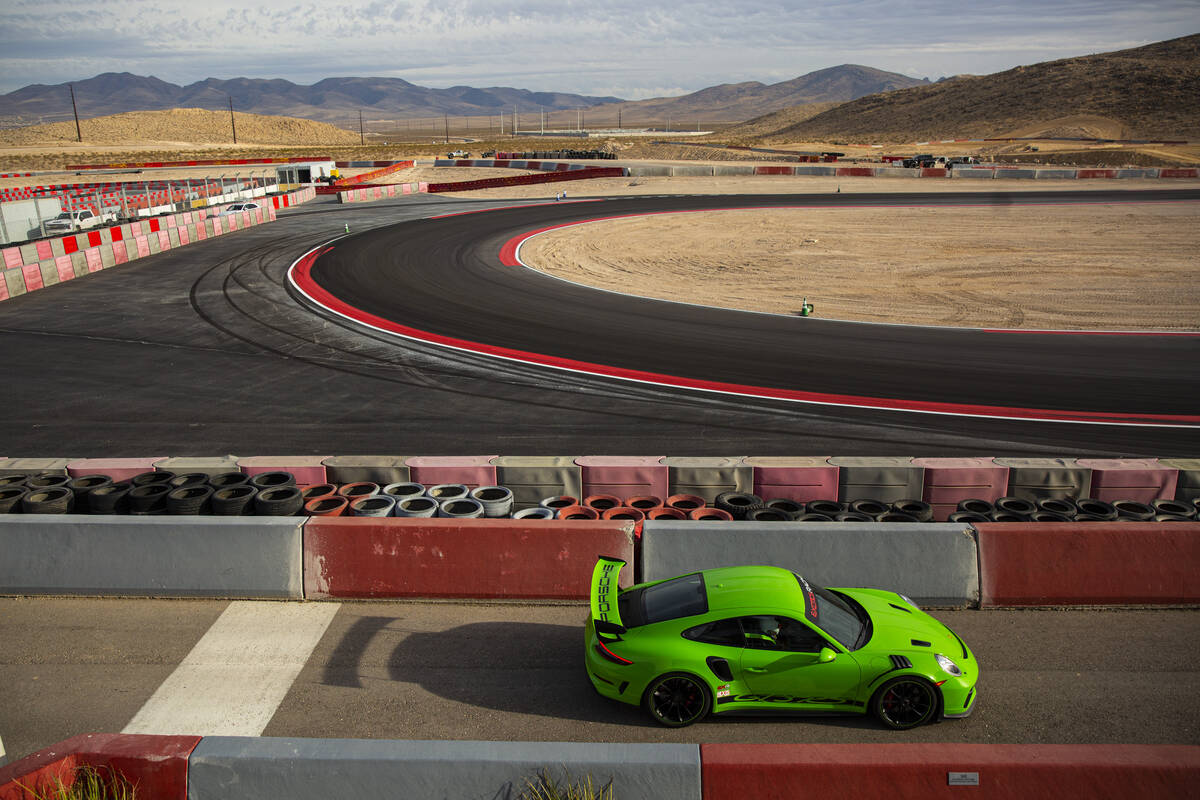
677, 699
905, 702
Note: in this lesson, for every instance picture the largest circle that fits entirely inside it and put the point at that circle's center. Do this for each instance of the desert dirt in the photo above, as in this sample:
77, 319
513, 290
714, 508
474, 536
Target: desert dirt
1112, 267
1104, 267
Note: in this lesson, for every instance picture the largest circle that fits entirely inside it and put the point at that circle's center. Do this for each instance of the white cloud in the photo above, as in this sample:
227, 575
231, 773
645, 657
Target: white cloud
628, 48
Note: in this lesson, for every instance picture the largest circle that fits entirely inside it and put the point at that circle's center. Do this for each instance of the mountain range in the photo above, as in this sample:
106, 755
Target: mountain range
337, 99
1140, 93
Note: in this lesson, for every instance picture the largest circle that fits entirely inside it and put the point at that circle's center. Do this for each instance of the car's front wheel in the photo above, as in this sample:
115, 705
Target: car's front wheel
905, 702
677, 699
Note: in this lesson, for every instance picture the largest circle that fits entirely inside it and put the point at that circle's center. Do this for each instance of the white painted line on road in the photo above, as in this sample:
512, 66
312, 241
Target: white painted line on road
238, 673
3, 757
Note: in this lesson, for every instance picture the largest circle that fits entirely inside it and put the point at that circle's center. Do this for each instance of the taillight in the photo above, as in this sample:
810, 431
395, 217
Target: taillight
610, 655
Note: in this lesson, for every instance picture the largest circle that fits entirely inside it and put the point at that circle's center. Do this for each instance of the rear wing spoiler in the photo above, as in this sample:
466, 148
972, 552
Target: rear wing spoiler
606, 616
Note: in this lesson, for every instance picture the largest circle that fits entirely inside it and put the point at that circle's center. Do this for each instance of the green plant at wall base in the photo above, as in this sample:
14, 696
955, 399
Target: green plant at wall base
90, 783
545, 787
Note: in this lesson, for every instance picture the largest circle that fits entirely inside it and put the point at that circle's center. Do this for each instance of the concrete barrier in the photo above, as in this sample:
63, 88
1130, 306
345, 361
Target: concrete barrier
624, 476
251, 557
484, 558
936, 564
1055, 174
1188, 486
158, 765
735, 170
801, 478
118, 469
692, 172
920, 771
34, 466
1089, 563
959, 172
884, 478
1035, 478
648, 171
376, 469
900, 172
1140, 479
827, 171
948, 481
233, 768
473, 471
308, 470
209, 465
534, 478
707, 477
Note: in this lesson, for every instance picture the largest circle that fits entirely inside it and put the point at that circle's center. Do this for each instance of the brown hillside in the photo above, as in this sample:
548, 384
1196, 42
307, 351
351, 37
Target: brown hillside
769, 124
190, 125
1144, 93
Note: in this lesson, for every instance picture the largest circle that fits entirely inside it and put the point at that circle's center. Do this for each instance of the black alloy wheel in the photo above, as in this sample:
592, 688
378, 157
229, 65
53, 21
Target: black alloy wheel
677, 700
905, 702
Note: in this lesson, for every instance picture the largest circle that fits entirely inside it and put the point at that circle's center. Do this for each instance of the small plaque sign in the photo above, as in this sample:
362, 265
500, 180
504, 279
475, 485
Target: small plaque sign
963, 779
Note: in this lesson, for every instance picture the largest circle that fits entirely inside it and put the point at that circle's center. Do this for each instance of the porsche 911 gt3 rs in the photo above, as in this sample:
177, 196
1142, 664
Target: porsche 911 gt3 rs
764, 639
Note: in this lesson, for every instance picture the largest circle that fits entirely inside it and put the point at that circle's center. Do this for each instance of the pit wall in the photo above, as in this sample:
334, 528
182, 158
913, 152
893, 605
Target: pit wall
296, 558
242, 768
46, 262
669, 170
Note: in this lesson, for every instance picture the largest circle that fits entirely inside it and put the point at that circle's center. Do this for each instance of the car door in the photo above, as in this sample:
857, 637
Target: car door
781, 663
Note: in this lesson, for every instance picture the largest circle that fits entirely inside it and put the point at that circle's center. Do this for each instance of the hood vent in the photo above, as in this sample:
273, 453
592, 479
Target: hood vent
920, 643
900, 608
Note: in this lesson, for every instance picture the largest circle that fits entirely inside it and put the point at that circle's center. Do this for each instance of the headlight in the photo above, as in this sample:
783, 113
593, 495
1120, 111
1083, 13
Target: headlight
909, 600
949, 666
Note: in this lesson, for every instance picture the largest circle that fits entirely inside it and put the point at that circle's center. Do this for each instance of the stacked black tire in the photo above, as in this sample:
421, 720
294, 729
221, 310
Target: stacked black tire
1066, 509
153, 493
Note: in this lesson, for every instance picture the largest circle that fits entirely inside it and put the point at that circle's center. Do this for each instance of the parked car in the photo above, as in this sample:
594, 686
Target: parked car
458, 154
759, 639
238, 208
69, 221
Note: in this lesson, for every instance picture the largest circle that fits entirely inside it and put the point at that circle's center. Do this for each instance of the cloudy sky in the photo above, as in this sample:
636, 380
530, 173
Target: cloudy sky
632, 49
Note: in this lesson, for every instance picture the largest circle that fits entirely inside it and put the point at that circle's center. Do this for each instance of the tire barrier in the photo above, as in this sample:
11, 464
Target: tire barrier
799, 487
42, 263
492, 558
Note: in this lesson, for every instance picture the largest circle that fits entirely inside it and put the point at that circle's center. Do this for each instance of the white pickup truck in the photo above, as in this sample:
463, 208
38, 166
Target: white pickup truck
69, 221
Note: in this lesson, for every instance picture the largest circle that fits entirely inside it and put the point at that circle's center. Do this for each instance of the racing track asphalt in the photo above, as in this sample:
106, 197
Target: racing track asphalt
445, 276
202, 350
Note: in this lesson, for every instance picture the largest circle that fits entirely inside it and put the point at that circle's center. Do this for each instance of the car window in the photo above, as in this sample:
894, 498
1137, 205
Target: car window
771, 632
679, 597
727, 632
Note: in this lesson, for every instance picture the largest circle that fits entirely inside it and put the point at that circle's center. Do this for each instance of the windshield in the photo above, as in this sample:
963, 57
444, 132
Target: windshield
837, 615
64, 215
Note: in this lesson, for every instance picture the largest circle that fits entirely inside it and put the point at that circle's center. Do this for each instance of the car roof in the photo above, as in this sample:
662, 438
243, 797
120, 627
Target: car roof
752, 587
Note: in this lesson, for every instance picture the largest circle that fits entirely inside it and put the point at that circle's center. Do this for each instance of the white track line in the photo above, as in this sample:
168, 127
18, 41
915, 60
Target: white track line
3, 757
236, 676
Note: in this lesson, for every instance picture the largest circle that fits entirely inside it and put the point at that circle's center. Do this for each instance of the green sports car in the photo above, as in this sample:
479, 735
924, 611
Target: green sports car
764, 639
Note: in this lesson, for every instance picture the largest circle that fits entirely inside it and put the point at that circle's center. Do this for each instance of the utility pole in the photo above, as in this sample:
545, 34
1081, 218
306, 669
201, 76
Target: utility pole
232, 124
446, 121
78, 133
516, 121
542, 110
618, 118
361, 138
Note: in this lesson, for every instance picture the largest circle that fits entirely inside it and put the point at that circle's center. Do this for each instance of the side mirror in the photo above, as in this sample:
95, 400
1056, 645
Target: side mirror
825, 656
